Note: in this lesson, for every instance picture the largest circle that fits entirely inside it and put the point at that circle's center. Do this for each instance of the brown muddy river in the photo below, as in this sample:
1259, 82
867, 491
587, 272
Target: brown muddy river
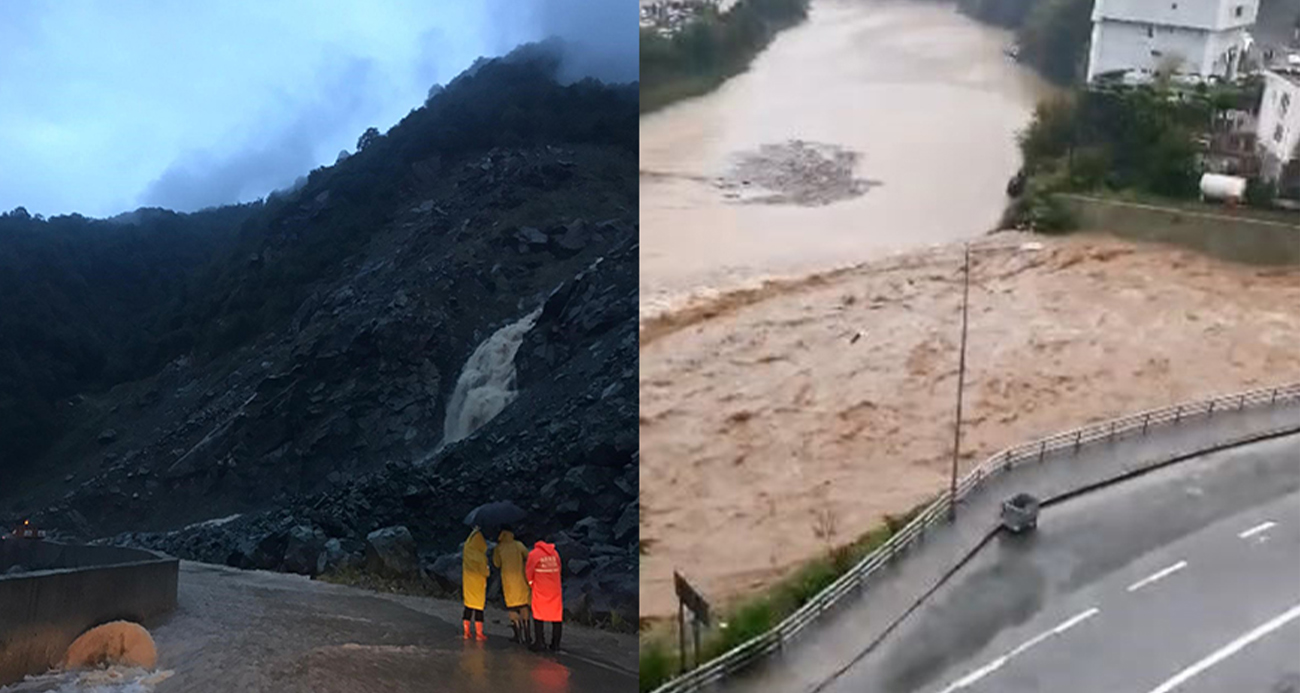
924, 98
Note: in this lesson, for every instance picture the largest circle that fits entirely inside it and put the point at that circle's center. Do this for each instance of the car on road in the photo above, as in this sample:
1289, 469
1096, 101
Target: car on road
28, 531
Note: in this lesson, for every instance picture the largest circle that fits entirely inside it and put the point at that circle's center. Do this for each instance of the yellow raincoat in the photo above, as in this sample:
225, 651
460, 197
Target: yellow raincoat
510, 556
474, 570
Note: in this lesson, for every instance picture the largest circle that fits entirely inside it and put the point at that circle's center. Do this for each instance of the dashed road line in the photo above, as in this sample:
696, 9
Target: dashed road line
1158, 575
1228, 650
998, 663
1261, 527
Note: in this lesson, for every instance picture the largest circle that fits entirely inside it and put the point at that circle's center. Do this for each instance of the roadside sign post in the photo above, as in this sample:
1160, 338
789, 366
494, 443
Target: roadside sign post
689, 598
681, 631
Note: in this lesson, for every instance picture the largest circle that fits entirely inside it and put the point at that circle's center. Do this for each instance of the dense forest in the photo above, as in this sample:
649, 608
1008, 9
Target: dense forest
86, 304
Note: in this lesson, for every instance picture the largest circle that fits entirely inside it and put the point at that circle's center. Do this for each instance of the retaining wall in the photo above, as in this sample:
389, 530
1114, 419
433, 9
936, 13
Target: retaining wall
70, 590
1238, 235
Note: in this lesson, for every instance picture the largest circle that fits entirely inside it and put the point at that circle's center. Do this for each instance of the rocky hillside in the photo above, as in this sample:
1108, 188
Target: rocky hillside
322, 356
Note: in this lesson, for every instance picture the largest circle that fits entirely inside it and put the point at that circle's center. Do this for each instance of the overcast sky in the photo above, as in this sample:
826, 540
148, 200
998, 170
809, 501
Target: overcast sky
109, 105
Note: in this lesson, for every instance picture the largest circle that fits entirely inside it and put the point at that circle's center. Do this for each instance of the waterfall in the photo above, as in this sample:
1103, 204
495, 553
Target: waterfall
486, 383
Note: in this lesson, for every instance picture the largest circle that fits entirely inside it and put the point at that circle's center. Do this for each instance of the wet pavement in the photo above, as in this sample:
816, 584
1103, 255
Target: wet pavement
1150, 577
240, 630
843, 650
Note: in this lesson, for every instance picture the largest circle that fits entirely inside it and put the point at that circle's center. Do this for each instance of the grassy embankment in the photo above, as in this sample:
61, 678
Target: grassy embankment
755, 615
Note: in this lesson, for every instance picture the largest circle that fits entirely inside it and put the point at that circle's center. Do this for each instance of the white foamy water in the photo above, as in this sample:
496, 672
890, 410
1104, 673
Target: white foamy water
487, 382
110, 680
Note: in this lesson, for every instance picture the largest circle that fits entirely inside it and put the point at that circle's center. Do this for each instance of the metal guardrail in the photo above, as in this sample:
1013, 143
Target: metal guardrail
937, 512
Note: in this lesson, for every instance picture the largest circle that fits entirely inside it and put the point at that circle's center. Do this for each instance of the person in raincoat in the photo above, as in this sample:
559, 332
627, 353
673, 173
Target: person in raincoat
543, 573
474, 575
509, 557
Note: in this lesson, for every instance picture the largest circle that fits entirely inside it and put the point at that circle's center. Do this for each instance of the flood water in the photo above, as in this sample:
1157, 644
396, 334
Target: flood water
924, 95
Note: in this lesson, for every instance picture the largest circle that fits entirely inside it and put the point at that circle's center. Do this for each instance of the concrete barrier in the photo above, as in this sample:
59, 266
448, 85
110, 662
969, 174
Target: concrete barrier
1237, 235
66, 590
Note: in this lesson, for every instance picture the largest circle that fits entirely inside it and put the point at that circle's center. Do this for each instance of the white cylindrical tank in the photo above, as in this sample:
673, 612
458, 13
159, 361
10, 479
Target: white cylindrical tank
1216, 186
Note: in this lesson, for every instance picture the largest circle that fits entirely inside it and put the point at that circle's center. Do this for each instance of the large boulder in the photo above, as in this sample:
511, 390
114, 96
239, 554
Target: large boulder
390, 552
592, 531
305, 551
446, 571
628, 523
570, 548
336, 557
268, 552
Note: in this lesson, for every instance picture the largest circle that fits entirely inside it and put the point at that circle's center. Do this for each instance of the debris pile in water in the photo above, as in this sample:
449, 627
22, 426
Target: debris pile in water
808, 174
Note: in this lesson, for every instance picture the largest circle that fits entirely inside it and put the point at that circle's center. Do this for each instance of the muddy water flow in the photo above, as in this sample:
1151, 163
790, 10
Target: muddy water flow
920, 101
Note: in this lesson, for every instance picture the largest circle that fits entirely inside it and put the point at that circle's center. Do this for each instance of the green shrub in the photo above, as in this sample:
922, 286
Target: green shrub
749, 621
658, 664
1260, 193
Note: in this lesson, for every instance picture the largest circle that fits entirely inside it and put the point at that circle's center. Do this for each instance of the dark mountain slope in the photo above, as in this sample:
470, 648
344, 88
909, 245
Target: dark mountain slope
296, 365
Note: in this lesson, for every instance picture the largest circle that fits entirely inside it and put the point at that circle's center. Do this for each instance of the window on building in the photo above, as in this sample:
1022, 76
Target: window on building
1286, 103
1277, 133
1240, 11
1151, 31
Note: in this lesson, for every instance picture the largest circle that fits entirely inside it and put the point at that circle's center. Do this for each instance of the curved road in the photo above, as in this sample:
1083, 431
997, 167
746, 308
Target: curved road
255, 631
1186, 579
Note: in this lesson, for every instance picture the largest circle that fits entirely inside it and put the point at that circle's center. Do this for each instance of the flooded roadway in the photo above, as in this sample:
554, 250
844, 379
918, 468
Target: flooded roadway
925, 96
236, 630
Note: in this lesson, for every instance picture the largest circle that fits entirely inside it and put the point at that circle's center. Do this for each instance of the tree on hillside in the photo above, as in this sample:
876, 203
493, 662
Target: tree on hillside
1054, 38
367, 138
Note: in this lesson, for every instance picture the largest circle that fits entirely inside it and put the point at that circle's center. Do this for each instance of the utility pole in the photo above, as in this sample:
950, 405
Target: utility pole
961, 386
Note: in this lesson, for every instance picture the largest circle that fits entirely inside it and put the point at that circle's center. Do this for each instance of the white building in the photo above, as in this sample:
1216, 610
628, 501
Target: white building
1279, 122
1200, 37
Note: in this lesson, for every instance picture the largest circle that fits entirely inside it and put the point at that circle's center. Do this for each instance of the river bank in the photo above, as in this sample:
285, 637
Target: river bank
718, 43
769, 415
917, 99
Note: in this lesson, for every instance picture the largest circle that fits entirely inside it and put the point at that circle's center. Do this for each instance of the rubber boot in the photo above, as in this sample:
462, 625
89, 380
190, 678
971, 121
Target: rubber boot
556, 629
538, 637
466, 629
478, 625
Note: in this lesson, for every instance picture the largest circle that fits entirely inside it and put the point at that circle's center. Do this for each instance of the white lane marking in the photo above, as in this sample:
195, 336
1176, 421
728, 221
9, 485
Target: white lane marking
1261, 527
1000, 661
1228, 650
1075, 621
977, 674
1031, 642
1158, 575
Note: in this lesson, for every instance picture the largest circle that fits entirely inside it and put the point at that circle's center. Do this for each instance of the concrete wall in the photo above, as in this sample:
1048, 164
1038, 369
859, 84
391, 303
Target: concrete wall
1235, 235
1127, 46
1279, 121
43, 611
1204, 14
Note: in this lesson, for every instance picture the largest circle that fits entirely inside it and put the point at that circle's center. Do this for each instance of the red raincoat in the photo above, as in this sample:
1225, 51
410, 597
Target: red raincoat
543, 573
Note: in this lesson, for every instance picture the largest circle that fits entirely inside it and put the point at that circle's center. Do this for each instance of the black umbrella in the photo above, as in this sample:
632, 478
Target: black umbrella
494, 514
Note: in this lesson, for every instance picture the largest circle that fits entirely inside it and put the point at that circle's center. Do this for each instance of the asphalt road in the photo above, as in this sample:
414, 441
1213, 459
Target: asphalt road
1186, 579
255, 631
